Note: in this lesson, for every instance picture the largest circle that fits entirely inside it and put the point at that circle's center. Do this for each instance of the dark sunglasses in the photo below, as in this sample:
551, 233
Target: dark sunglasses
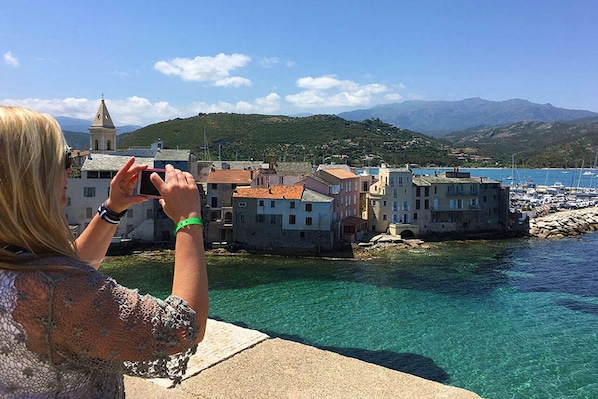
69, 162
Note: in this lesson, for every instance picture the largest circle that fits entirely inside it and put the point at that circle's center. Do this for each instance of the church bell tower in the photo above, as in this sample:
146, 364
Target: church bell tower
102, 133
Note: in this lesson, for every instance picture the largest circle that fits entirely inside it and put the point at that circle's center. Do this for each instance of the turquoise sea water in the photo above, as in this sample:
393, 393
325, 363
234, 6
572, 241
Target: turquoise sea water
505, 319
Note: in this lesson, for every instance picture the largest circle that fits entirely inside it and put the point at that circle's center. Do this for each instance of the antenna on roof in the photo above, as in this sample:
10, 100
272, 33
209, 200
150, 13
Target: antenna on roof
206, 149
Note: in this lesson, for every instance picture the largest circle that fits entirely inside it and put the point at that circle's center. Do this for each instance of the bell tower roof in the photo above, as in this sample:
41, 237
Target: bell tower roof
103, 118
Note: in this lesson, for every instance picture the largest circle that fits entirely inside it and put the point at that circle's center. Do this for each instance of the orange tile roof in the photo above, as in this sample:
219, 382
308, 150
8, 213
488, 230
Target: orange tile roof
233, 176
340, 173
274, 192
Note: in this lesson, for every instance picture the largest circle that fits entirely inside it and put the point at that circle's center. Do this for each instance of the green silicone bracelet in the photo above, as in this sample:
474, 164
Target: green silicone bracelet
187, 222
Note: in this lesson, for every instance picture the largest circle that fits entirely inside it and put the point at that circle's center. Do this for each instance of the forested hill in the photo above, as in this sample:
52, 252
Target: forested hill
316, 139
536, 144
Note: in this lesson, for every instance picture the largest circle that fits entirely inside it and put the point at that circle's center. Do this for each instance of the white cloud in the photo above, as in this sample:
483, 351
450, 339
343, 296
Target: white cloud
269, 62
206, 69
262, 105
233, 81
330, 92
130, 111
393, 97
10, 59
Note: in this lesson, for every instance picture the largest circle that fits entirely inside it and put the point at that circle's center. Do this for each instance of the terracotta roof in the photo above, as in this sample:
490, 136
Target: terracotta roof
274, 192
341, 173
232, 176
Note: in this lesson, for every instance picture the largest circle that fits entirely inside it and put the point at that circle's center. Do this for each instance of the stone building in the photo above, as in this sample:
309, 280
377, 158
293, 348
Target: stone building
282, 218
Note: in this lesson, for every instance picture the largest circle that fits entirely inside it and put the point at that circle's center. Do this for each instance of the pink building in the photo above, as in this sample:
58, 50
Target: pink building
344, 187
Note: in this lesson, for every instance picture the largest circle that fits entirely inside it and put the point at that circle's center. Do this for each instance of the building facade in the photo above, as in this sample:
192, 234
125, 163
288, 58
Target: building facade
218, 213
282, 218
390, 199
456, 202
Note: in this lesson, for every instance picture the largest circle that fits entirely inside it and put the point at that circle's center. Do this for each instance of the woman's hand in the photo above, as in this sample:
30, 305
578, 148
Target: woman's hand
121, 187
180, 196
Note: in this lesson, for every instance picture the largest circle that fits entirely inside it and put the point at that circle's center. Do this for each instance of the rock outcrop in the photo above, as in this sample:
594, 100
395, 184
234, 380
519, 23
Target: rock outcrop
565, 223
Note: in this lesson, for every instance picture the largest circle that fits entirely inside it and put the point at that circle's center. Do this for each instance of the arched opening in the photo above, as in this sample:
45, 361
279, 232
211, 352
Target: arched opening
407, 234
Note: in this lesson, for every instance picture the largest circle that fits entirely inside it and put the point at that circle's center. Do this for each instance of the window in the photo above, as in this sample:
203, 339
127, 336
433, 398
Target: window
259, 218
384, 217
214, 186
302, 234
261, 203
89, 191
88, 213
291, 219
417, 204
292, 204
308, 207
384, 203
400, 181
427, 191
242, 204
214, 202
417, 191
308, 221
415, 216
92, 174
427, 204
272, 219
272, 204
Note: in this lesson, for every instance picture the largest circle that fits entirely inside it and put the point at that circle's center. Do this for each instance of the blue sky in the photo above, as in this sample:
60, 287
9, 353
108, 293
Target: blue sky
158, 60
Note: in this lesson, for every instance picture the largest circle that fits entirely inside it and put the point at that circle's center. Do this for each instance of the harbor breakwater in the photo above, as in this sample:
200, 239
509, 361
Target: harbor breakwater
564, 223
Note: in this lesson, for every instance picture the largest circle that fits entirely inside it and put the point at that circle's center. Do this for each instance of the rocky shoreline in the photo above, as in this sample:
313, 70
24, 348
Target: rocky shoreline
565, 223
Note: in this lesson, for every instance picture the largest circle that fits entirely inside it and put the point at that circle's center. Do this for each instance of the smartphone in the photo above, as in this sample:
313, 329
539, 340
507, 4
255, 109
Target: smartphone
145, 187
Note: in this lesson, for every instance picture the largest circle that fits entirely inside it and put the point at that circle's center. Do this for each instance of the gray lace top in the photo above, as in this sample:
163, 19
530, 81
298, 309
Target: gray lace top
74, 334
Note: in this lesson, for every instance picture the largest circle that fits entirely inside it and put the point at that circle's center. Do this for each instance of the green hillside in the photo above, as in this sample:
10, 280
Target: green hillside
316, 139
537, 144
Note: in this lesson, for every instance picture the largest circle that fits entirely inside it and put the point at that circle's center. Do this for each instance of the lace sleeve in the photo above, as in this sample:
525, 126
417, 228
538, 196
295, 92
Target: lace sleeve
103, 325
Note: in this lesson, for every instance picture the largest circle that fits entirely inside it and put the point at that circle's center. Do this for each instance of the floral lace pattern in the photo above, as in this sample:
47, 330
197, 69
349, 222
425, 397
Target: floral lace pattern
68, 335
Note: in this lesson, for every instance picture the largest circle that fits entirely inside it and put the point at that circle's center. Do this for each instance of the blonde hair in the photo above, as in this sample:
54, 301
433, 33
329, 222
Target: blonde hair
32, 167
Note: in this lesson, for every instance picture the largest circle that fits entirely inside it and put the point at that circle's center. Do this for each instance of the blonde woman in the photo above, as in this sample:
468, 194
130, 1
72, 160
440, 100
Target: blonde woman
67, 330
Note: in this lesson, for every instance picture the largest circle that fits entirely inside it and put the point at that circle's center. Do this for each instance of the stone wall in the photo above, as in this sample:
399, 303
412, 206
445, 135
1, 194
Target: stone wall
565, 223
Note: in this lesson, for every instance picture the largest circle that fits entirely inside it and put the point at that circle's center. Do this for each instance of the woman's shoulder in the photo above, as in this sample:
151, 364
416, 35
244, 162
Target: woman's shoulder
57, 267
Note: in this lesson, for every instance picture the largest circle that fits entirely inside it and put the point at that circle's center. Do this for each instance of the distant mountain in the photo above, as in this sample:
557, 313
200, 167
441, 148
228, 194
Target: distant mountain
77, 140
82, 125
438, 118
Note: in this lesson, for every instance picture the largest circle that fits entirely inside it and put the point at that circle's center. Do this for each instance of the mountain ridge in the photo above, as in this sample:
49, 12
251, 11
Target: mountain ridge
438, 118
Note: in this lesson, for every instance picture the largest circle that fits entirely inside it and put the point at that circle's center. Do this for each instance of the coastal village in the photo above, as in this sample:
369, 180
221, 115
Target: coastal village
297, 207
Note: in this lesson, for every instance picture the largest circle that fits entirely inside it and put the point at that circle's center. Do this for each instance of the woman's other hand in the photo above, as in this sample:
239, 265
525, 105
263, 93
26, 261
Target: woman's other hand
180, 196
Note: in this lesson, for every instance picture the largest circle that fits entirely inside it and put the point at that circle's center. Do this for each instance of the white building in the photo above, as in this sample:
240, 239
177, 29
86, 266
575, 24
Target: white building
86, 191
